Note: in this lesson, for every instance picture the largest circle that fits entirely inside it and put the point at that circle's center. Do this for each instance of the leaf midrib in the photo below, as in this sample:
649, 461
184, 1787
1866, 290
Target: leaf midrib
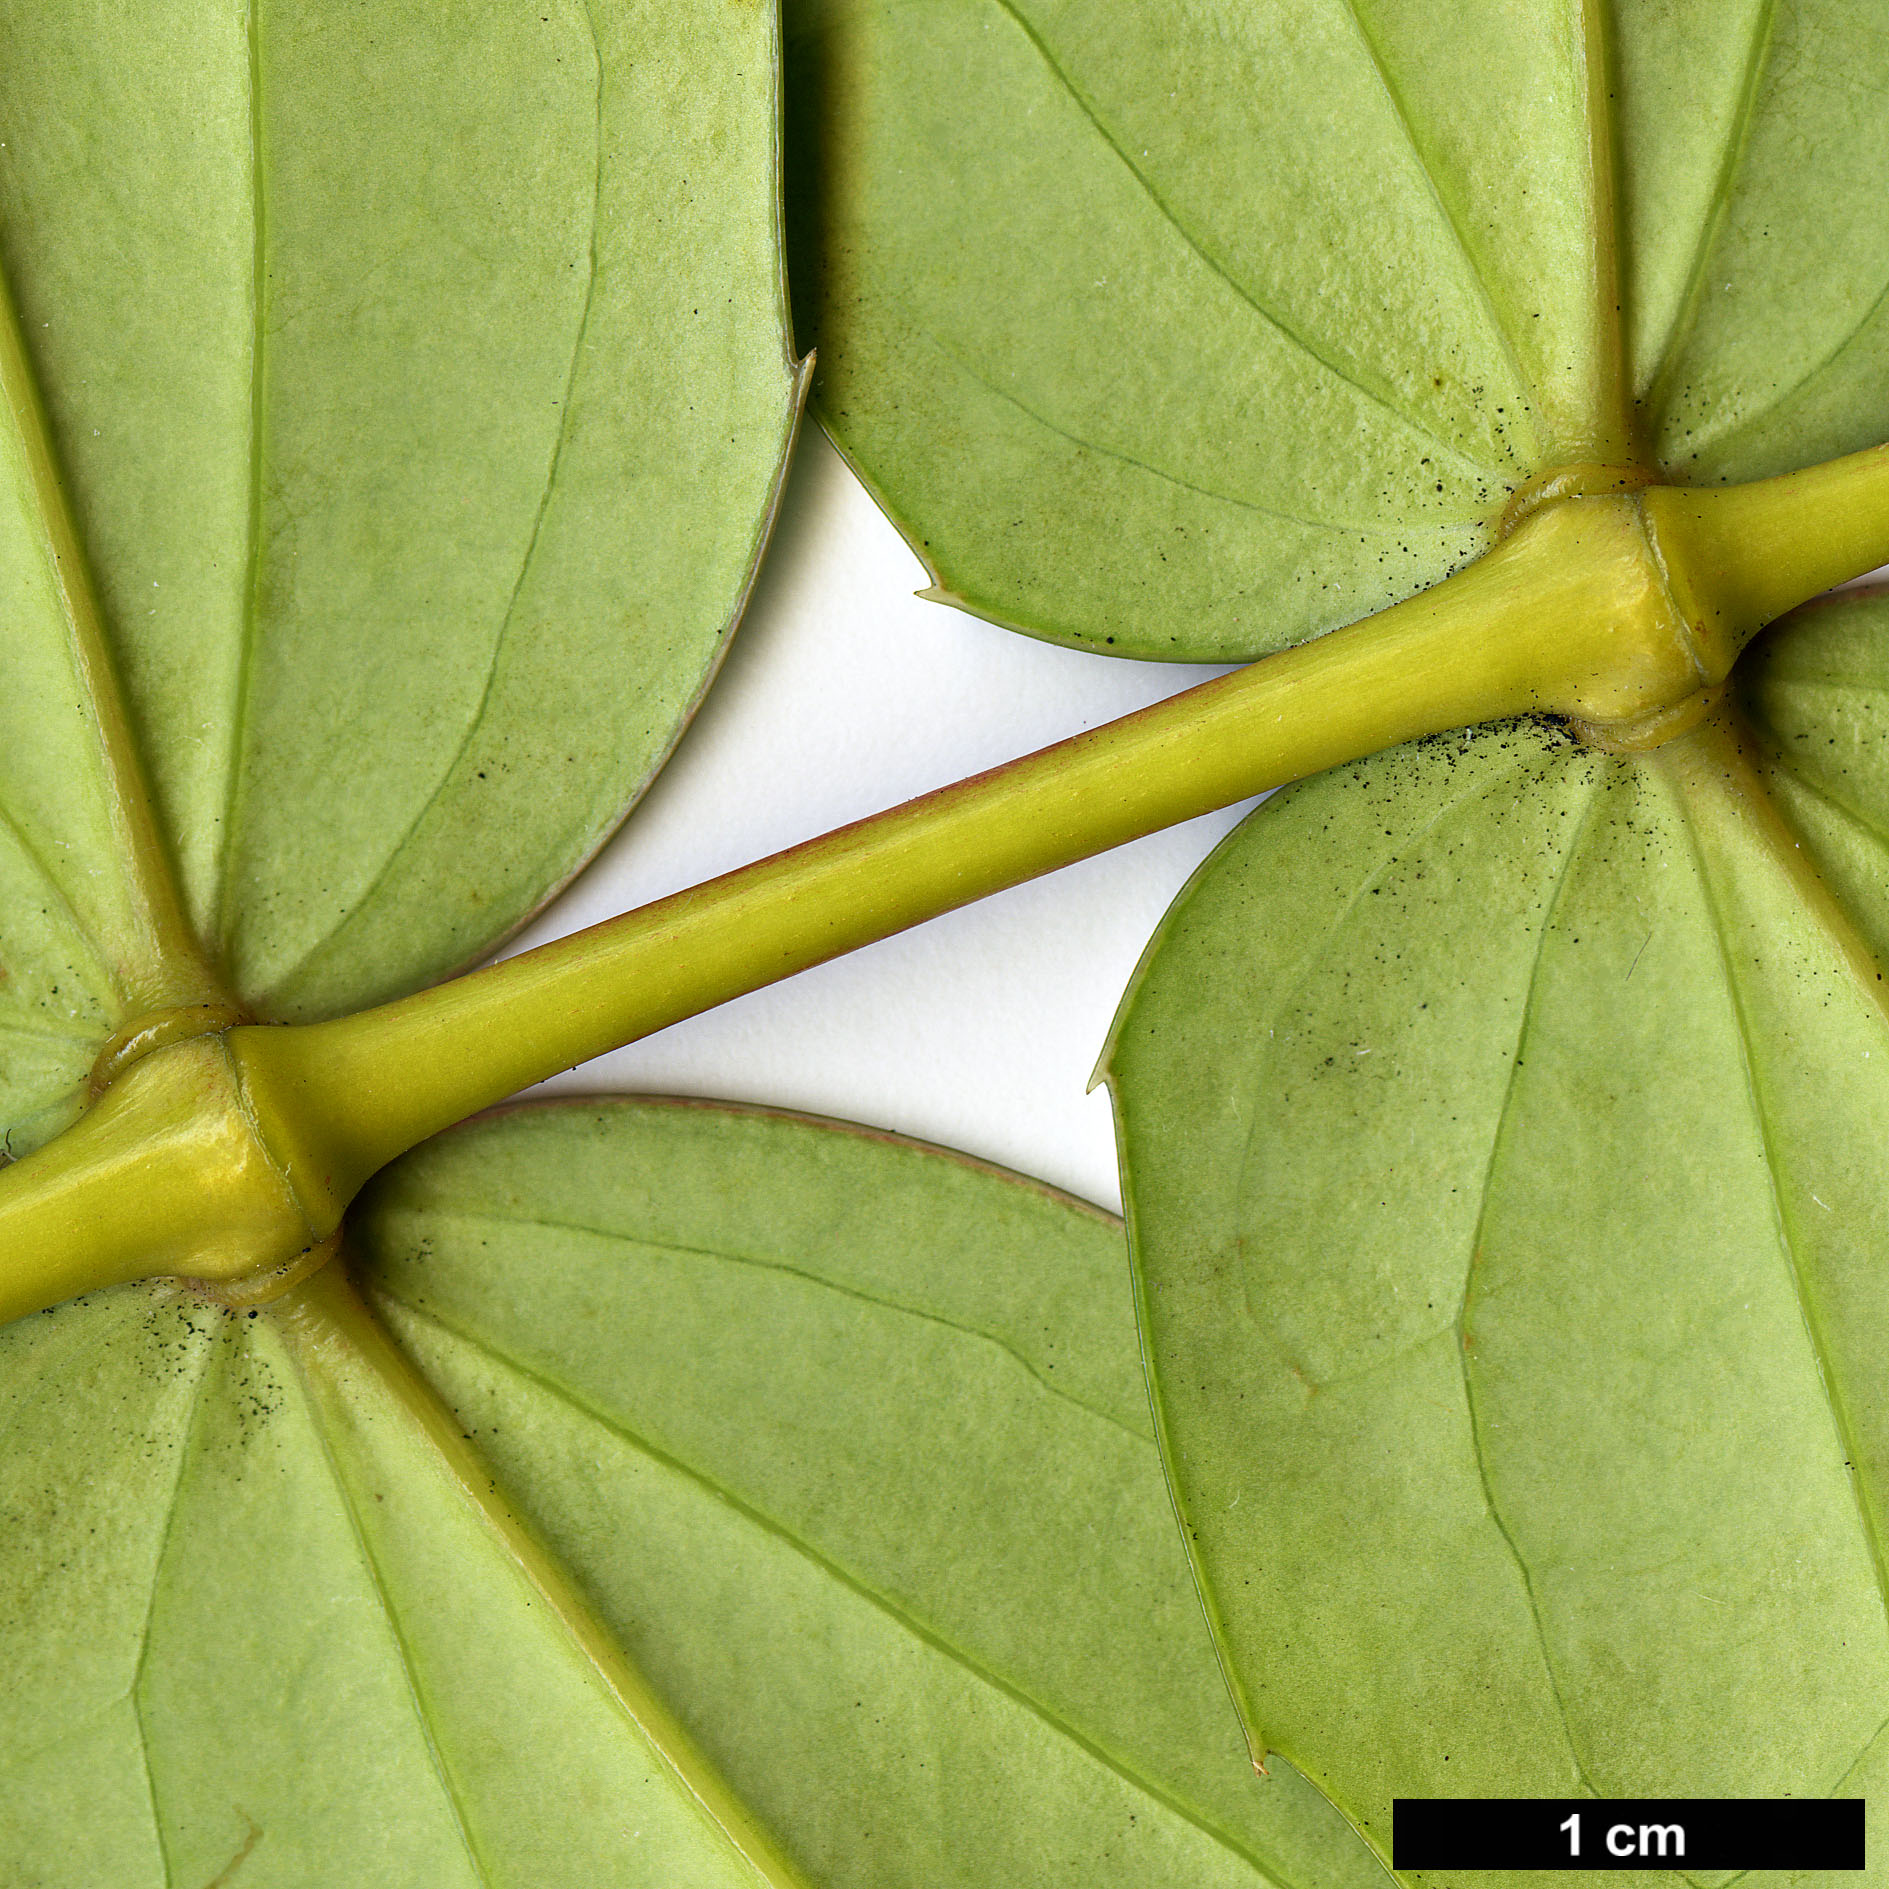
149, 949
1787, 1237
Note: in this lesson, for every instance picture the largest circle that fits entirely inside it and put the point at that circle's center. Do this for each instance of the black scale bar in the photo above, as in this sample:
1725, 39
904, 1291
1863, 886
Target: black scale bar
1693, 1833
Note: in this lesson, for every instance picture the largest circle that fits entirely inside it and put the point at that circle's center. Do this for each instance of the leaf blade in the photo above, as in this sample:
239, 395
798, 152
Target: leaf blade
1254, 433
1775, 363
553, 1662
1525, 1305
261, 1564
384, 463
759, 1431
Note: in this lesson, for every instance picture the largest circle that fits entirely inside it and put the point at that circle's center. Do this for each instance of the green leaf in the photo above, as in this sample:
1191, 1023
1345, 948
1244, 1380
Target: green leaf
1193, 331
1501, 1120
844, 1440
255, 1616
393, 417
420, 380
1754, 157
1502, 1128
1816, 692
450, 377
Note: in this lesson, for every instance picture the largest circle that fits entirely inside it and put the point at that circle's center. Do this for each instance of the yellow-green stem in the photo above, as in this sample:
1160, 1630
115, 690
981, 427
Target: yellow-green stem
1620, 610
166, 1174
1585, 611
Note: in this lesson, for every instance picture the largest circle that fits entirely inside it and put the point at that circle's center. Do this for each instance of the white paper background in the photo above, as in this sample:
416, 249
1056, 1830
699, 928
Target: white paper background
844, 693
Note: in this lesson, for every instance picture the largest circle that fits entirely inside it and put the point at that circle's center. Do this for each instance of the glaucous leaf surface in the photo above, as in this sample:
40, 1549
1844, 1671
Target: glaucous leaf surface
844, 1440
1816, 694
1769, 116
848, 1438
254, 1618
71, 959
1502, 1125
1501, 1120
420, 382
1194, 328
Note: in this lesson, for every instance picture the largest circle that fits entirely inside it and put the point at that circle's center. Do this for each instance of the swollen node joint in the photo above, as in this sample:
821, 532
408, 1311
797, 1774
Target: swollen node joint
249, 1290
156, 1030
1578, 481
1640, 732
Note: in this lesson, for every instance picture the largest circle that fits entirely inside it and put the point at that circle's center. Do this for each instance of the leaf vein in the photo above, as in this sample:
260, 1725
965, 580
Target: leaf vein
1292, 335
416, 1690
99, 982
1731, 161
1318, 951
863, 1297
1029, 412
883, 1603
135, 1692
1477, 1442
248, 628
1850, 337
527, 562
1862, 1758
1499, 317
1856, 815
1788, 1239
